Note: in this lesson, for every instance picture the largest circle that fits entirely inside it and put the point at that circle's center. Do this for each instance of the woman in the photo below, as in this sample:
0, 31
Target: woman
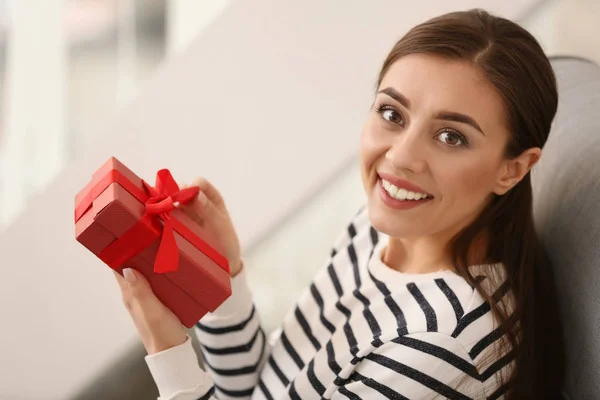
439, 287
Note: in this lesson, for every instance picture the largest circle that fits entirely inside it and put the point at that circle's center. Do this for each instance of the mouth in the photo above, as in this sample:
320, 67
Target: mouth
403, 197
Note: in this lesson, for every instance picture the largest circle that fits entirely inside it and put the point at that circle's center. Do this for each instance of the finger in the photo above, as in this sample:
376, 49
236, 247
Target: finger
139, 277
190, 211
193, 209
203, 208
122, 282
186, 208
135, 287
209, 190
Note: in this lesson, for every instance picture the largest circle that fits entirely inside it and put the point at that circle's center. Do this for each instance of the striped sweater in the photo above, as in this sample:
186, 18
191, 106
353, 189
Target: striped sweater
361, 330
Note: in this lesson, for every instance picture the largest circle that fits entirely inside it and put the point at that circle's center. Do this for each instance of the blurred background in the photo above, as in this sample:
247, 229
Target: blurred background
83, 79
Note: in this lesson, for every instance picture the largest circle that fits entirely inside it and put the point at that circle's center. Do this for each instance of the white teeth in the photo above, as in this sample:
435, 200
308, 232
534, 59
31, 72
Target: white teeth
401, 194
392, 190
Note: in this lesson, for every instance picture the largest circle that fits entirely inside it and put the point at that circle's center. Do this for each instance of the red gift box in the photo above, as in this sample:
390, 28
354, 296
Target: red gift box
128, 223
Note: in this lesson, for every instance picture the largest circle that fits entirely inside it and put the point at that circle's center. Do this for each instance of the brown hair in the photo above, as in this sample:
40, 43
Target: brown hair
511, 60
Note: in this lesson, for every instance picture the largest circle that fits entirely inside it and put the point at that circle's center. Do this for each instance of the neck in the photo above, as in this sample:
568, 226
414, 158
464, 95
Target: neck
421, 255
416, 255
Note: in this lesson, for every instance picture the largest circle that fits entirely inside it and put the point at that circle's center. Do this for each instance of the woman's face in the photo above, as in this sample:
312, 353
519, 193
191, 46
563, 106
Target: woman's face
439, 126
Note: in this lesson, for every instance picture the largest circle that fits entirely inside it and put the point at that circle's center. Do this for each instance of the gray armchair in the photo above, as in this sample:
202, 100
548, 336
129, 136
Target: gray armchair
566, 186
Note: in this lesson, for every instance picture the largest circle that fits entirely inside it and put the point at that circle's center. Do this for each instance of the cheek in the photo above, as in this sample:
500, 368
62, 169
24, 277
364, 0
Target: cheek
372, 148
466, 183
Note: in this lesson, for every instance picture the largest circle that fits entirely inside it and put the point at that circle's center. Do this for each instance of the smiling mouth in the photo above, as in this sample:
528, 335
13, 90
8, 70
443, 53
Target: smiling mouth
402, 194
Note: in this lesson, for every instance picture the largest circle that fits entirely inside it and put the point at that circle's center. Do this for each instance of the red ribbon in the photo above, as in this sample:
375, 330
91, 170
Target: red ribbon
163, 199
159, 201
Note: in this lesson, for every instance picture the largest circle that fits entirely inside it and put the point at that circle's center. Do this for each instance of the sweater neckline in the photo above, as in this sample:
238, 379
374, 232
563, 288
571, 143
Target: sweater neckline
386, 274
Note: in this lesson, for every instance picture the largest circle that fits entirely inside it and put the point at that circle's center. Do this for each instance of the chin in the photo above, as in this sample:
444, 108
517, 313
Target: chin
387, 224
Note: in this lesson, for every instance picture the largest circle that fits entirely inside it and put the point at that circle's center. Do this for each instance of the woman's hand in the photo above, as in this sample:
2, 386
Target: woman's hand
158, 327
209, 210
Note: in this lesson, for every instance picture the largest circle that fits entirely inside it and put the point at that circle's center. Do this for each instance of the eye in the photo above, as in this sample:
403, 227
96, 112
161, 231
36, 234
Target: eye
390, 114
452, 138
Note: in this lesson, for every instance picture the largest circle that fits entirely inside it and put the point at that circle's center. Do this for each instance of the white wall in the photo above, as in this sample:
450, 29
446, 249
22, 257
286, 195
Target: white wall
268, 103
186, 19
568, 27
33, 149
282, 265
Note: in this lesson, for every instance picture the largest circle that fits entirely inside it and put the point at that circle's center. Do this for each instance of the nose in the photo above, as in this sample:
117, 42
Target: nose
408, 152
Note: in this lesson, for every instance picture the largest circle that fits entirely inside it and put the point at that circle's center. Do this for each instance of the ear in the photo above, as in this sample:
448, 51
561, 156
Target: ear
515, 169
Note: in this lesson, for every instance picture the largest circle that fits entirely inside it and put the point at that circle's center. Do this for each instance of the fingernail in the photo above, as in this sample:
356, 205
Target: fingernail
202, 198
129, 275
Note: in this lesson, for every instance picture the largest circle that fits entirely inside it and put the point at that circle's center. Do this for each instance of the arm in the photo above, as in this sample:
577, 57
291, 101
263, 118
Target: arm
234, 348
233, 343
178, 376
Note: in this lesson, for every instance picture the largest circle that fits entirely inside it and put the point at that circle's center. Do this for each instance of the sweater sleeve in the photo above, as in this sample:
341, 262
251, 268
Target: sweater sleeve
178, 376
233, 343
234, 348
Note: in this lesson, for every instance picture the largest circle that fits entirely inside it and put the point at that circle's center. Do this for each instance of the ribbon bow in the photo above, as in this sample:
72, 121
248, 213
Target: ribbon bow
164, 198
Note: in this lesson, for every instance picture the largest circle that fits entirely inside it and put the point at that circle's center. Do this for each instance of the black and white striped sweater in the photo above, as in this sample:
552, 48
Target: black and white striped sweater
360, 331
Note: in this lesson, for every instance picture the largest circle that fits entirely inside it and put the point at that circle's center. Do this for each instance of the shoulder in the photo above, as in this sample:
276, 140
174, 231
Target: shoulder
449, 331
421, 365
451, 345
447, 303
479, 322
480, 332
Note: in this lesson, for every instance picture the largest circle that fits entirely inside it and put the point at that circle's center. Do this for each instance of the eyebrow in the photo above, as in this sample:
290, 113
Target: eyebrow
396, 95
457, 117
443, 115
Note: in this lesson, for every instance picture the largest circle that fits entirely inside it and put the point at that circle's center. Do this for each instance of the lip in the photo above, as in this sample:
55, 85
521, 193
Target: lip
402, 184
395, 203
